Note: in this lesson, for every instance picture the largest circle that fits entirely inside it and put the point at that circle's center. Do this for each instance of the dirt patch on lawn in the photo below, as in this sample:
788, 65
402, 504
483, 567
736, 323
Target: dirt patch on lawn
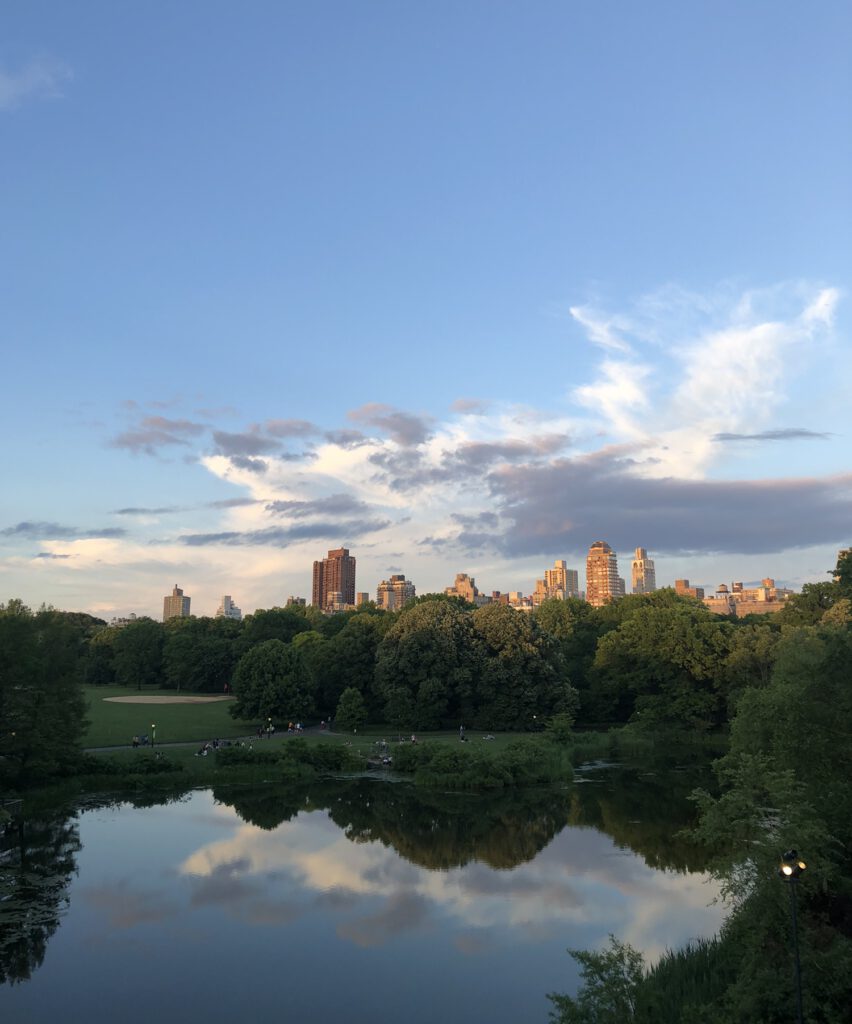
150, 699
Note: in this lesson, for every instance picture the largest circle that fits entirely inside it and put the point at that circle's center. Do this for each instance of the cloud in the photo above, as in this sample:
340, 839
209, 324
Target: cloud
347, 438
50, 555
248, 443
161, 510
561, 506
404, 428
333, 505
784, 434
55, 531
281, 536
252, 465
155, 432
291, 428
470, 406
602, 330
40, 78
233, 503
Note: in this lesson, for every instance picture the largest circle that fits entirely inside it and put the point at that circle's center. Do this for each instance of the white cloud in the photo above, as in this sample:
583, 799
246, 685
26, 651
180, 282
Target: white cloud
41, 78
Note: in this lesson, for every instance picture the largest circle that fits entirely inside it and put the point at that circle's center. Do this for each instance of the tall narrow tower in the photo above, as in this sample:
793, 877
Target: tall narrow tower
176, 605
334, 575
603, 584
644, 577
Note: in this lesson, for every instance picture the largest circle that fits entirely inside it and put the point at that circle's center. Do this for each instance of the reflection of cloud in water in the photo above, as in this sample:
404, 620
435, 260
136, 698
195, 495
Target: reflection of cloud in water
402, 912
126, 908
581, 881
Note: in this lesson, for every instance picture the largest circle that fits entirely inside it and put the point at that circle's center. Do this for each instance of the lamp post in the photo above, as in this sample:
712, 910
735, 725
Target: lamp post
153, 733
790, 869
269, 728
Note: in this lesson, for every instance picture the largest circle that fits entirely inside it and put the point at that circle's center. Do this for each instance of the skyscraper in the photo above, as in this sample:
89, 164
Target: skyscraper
228, 610
334, 575
394, 593
603, 584
175, 606
644, 577
561, 582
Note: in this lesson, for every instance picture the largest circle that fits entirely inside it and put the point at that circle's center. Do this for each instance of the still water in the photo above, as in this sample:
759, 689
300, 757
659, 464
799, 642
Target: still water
349, 901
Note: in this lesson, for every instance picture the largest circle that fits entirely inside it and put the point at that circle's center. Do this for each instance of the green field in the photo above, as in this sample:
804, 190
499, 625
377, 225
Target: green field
112, 725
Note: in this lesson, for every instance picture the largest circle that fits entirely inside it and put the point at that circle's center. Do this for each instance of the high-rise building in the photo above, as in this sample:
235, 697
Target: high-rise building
561, 582
465, 587
295, 602
394, 593
176, 605
228, 610
683, 588
644, 577
334, 575
603, 584
361, 597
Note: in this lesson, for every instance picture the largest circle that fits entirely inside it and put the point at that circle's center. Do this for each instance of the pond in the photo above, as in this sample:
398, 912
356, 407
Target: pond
354, 900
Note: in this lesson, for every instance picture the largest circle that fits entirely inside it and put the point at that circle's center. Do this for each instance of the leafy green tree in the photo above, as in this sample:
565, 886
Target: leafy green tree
99, 658
271, 682
351, 712
522, 673
427, 665
843, 574
42, 711
354, 650
663, 666
200, 654
138, 654
608, 992
751, 656
272, 624
809, 606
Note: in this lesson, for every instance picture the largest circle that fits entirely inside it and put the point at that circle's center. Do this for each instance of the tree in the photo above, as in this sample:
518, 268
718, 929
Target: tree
272, 624
427, 664
199, 655
351, 713
608, 993
272, 682
522, 673
663, 666
42, 710
138, 654
808, 607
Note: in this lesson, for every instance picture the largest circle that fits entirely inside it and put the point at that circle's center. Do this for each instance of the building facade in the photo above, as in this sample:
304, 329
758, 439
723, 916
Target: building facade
642, 572
334, 575
465, 587
228, 610
683, 588
176, 605
394, 593
560, 582
603, 584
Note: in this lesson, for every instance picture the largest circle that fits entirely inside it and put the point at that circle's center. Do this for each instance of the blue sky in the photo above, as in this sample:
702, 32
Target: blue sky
463, 286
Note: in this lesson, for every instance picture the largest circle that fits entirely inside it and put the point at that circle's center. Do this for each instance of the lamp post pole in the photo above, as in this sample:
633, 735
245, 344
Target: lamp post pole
790, 870
153, 733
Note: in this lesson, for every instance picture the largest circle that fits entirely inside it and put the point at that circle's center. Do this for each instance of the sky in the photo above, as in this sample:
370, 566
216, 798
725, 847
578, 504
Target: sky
463, 287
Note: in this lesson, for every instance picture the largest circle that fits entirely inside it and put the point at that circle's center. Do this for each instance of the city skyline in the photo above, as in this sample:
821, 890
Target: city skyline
455, 291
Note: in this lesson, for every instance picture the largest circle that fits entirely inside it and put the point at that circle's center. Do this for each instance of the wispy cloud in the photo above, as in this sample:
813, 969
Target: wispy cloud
40, 78
155, 432
404, 428
782, 434
40, 530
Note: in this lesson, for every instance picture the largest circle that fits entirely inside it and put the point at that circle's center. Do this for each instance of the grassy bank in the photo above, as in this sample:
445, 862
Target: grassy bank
112, 725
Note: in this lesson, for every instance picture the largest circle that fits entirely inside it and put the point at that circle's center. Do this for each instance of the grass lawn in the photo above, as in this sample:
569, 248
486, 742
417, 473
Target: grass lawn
116, 724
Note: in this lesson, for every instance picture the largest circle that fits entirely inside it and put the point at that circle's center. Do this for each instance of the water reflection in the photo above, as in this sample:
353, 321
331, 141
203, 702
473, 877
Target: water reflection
469, 899
36, 863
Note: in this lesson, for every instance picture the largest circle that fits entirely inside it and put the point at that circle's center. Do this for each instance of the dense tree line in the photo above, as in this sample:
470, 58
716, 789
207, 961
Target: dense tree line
784, 783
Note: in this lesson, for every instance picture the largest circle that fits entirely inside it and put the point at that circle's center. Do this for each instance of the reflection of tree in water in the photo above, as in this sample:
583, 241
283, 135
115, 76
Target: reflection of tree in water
432, 829
643, 811
36, 863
